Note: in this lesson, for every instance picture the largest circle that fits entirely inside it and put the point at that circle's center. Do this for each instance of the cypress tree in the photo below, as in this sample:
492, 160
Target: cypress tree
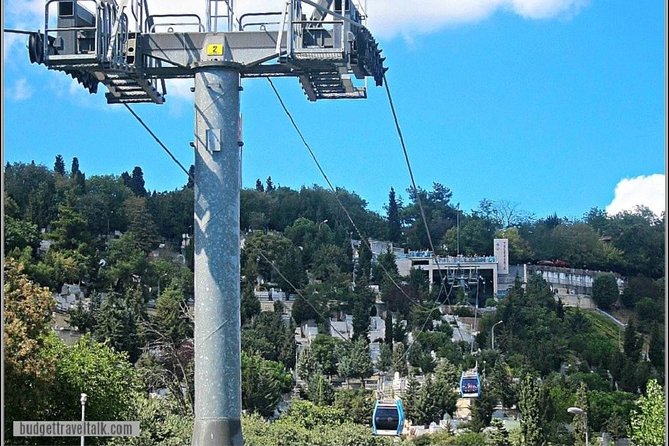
579, 420
270, 185
74, 170
632, 343
191, 177
59, 165
394, 224
389, 328
137, 182
532, 403
259, 186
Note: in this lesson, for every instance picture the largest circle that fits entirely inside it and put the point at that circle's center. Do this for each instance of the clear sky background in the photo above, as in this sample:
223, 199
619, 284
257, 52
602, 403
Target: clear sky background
556, 105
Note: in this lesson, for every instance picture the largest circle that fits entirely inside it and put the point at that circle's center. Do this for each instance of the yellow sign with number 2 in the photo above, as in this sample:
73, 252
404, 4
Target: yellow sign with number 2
215, 49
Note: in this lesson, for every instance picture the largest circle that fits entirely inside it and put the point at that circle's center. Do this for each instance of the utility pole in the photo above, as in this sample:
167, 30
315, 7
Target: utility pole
94, 42
217, 303
492, 331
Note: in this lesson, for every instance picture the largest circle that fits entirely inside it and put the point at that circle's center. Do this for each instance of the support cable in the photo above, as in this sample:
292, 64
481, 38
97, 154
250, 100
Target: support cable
413, 180
159, 141
420, 206
17, 31
363, 239
276, 268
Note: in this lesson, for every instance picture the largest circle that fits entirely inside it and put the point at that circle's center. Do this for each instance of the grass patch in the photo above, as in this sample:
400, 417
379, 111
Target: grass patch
604, 325
601, 324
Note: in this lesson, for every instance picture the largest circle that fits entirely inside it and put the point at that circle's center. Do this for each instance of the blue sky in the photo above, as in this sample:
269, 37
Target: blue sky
556, 105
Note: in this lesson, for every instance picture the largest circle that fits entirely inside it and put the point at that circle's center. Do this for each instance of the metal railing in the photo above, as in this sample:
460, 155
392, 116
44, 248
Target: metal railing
107, 45
197, 22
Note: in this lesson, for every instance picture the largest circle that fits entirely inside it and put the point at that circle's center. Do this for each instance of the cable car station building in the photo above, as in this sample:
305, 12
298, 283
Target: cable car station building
463, 271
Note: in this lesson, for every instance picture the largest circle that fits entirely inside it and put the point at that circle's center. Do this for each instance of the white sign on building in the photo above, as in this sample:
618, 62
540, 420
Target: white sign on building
502, 255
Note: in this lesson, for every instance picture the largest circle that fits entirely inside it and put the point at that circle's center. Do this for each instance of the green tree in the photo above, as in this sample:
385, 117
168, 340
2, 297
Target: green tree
250, 306
605, 290
427, 408
647, 311
639, 234
385, 360
32, 188
362, 366
357, 405
328, 261
270, 185
263, 383
84, 318
259, 186
445, 380
499, 436
389, 328
160, 423
59, 165
319, 390
123, 263
520, 250
141, 224
360, 322
102, 205
632, 343
394, 222
656, 347
137, 182
399, 359
532, 405
410, 399
363, 268
475, 235
500, 384
580, 427
439, 212
27, 317
610, 411
385, 267
171, 316
118, 325
648, 417
322, 351
74, 169
20, 233
70, 230
97, 370
78, 177
265, 255
270, 338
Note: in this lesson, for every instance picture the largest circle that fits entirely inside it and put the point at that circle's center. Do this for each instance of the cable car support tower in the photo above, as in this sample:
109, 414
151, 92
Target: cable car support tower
119, 44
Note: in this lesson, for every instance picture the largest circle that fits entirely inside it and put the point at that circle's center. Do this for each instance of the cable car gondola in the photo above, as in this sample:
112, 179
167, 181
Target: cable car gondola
388, 418
470, 384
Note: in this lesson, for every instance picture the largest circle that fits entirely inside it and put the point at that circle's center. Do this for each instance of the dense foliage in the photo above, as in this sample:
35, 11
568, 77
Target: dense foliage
131, 251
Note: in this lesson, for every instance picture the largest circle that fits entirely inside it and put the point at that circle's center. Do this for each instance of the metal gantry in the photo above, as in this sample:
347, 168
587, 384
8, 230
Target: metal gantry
131, 52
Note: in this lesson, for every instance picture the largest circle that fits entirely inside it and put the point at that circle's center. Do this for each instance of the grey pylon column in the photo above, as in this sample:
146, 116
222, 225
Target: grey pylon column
217, 302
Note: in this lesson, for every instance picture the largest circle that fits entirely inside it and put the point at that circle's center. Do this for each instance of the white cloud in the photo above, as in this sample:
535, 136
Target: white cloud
387, 19
545, 9
21, 90
408, 18
645, 190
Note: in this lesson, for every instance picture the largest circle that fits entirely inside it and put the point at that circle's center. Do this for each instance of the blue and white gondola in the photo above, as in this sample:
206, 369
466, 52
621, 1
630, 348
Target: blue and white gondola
388, 418
470, 384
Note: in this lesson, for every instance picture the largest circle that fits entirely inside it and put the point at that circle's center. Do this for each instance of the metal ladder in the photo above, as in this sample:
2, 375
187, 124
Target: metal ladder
130, 87
220, 9
330, 85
